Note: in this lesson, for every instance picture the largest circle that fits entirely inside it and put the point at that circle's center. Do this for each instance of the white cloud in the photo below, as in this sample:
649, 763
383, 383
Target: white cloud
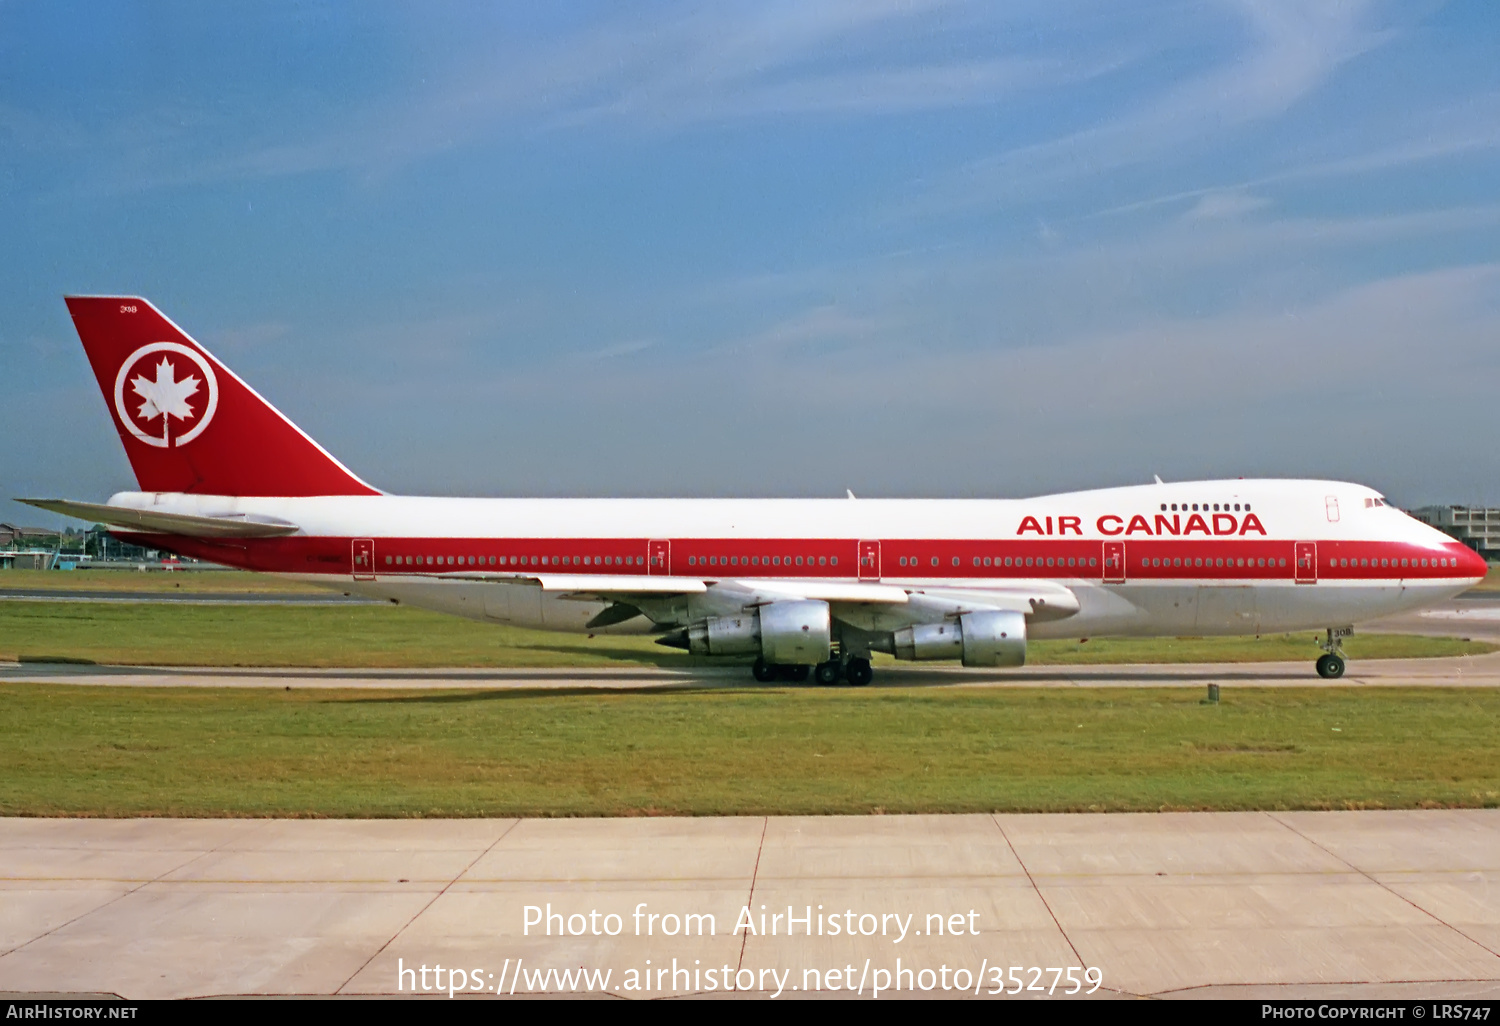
1290, 48
1218, 206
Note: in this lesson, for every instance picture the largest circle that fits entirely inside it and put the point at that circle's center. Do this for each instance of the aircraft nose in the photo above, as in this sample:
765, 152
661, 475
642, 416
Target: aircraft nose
1474, 563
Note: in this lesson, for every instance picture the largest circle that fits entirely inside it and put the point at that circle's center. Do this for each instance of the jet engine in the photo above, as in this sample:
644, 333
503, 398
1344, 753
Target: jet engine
979, 639
785, 633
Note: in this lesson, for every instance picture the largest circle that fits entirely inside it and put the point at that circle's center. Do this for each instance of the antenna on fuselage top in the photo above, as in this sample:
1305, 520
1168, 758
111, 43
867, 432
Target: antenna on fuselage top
1158, 479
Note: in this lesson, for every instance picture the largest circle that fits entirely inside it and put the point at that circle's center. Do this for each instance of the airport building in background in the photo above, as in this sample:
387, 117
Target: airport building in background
1477, 528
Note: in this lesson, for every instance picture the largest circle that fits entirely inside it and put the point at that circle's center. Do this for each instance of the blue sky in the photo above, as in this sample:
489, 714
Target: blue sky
932, 248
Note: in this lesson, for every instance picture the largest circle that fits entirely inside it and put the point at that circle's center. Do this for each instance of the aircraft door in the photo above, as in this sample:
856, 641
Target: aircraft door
869, 561
362, 558
658, 558
1306, 554
1114, 562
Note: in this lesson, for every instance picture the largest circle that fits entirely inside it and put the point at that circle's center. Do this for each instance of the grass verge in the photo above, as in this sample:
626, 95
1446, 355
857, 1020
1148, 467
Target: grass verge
697, 751
146, 634
233, 582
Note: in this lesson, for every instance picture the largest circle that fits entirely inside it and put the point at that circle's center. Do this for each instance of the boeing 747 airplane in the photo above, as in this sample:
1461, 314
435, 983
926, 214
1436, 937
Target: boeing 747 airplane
799, 585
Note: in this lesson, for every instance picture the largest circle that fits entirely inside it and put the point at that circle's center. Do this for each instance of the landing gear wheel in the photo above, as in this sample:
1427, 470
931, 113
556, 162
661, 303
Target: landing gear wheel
1330, 666
858, 672
828, 673
796, 674
763, 671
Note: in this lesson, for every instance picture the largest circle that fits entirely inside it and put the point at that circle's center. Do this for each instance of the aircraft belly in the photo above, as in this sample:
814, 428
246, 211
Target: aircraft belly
1227, 609
1315, 606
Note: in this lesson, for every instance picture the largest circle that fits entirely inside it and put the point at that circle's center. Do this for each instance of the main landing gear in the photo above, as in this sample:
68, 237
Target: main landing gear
855, 671
1331, 663
766, 672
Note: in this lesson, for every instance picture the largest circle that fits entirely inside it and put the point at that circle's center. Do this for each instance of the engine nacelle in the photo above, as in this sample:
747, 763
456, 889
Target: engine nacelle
979, 639
792, 632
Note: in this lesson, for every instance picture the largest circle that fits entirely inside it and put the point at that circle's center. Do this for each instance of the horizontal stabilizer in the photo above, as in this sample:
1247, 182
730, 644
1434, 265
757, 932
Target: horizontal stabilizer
233, 525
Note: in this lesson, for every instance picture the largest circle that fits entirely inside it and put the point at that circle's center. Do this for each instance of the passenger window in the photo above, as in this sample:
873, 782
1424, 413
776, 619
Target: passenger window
955, 561
1049, 560
799, 560
387, 560
934, 561
822, 560
1281, 562
834, 560
1092, 561
1028, 560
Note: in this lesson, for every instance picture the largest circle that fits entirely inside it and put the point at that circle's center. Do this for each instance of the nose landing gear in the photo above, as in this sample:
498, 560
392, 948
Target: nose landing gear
1331, 663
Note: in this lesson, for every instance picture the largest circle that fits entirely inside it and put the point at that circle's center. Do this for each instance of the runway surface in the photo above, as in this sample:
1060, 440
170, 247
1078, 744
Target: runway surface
1464, 671
1256, 905
1475, 615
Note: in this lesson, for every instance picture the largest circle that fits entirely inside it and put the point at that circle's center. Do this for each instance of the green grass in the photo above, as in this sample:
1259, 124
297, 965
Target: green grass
739, 750
194, 581
1491, 580
390, 636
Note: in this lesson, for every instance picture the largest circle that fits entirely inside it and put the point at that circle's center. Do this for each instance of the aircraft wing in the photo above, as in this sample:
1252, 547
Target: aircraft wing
233, 525
591, 585
622, 586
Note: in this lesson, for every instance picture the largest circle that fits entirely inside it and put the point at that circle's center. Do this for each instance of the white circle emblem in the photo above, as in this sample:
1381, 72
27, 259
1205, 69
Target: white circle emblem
166, 380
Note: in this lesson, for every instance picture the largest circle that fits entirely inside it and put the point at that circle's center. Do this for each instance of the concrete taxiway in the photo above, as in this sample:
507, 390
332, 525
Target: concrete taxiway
1281, 905
1464, 671
1474, 616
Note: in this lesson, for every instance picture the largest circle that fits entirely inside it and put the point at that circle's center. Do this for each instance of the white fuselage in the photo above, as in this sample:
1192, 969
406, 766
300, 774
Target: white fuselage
1211, 557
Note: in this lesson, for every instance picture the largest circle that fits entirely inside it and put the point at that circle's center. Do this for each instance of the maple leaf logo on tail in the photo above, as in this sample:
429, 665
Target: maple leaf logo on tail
165, 395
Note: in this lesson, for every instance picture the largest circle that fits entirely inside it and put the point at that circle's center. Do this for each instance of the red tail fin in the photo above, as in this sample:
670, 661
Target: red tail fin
188, 423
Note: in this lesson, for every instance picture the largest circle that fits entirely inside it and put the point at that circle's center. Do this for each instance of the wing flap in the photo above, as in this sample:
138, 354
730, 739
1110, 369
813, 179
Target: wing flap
603, 585
828, 591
